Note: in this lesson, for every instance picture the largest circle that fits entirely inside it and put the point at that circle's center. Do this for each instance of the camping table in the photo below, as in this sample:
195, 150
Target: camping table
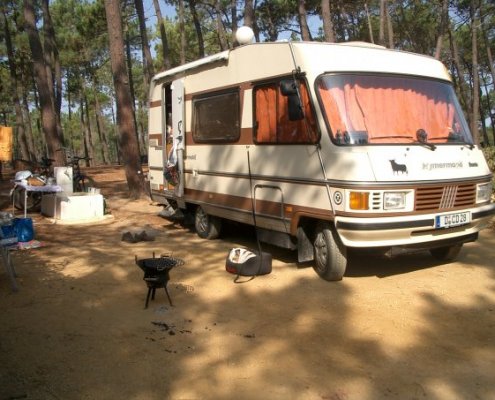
30, 188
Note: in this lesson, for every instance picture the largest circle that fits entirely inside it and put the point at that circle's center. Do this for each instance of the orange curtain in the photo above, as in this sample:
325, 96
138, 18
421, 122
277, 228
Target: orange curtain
272, 117
266, 114
388, 106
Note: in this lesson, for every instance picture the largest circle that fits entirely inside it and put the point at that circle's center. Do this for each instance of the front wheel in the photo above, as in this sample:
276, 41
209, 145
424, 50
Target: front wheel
207, 226
330, 253
447, 253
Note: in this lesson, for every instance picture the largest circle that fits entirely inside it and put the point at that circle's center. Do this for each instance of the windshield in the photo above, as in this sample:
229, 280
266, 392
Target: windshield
384, 109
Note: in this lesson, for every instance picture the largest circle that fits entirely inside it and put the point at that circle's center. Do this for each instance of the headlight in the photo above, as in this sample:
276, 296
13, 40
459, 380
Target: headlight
483, 192
394, 200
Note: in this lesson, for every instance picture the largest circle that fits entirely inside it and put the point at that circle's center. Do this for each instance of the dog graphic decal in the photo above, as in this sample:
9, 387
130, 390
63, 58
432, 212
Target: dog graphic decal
402, 168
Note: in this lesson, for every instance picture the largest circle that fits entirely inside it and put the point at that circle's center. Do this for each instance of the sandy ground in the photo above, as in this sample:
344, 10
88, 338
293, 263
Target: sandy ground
401, 327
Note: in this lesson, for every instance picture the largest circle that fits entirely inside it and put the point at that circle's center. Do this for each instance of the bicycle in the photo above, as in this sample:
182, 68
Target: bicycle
80, 181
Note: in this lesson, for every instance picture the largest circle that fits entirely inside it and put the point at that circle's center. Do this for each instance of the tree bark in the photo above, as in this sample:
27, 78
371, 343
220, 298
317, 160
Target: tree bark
326, 16
163, 35
476, 85
303, 20
197, 27
444, 22
370, 28
249, 14
19, 124
381, 32
390, 27
463, 91
147, 59
48, 114
233, 14
53, 68
183, 44
222, 38
125, 122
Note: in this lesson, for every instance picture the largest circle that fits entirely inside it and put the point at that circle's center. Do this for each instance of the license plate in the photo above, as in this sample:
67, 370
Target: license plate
450, 220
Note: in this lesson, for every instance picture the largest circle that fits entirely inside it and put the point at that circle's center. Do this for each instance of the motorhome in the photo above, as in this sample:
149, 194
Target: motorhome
323, 147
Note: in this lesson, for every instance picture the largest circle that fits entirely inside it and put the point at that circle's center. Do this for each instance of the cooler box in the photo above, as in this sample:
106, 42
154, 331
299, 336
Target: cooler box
74, 206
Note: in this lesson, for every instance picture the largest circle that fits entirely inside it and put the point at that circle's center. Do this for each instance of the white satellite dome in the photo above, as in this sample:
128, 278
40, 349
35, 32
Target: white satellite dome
244, 35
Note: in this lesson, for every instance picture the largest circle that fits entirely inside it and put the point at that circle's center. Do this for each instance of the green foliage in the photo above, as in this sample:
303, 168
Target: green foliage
489, 153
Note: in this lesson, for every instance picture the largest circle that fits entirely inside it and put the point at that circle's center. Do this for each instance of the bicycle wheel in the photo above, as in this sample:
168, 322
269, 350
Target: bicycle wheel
82, 183
33, 199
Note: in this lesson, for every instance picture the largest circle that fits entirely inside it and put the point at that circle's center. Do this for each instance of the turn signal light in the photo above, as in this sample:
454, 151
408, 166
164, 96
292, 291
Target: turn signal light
359, 200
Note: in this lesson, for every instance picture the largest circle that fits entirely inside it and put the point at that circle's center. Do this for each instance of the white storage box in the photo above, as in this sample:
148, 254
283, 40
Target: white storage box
63, 177
74, 206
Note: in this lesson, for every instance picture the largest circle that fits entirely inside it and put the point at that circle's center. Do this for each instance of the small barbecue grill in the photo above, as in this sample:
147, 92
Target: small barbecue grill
156, 274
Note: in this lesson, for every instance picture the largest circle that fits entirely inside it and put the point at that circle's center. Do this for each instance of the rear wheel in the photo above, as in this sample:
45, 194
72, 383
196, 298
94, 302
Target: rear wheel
207, 226
32, 199
447, 253
83, 183
330, 253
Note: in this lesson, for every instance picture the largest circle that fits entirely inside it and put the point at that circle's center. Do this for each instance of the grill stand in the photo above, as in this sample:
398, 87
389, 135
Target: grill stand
156, 274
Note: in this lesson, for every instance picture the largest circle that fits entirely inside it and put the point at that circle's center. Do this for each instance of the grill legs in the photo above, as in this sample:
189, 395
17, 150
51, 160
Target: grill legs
151, 293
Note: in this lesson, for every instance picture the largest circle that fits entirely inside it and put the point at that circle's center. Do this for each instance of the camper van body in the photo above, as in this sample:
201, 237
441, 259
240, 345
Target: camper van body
324, 147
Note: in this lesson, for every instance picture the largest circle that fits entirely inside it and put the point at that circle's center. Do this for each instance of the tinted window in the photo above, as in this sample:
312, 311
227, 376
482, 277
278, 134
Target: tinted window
216, 117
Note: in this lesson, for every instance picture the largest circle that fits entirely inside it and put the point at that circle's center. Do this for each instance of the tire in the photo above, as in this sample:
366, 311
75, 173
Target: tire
33, 199
330, 253
207, 226
83, 183
447, 253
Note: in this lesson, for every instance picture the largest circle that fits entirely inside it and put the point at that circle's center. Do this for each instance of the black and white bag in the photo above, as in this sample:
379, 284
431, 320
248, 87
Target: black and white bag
245, 262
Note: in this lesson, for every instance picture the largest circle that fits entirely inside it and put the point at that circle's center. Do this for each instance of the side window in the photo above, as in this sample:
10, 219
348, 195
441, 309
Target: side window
274, 114
216, 117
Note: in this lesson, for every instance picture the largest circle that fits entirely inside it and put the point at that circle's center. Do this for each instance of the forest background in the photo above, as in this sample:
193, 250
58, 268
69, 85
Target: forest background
76, 73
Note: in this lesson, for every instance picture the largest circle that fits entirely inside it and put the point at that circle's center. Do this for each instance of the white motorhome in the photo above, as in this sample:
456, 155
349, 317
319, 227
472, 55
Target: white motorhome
324, 147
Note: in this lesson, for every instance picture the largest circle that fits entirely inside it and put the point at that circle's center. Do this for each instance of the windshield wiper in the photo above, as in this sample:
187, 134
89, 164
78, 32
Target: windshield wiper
431, 146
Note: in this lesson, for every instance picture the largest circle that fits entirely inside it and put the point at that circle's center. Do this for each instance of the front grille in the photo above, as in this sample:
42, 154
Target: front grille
437, 198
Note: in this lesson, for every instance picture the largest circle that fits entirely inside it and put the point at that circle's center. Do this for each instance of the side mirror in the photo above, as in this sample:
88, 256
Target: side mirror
288, 88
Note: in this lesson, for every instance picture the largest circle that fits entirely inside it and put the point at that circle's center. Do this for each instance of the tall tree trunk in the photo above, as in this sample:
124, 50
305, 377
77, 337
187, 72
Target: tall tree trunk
222, 37
48, 114
491, 63
88, 136
461, 83
233, 14
21, 133
163, 35
131, 83
127, 137
303, 20
148, 61
370, 28
326, 16
476, 85
102, 134
381, 32
444, 23
54, 70
182, 28
249, 14
197, 27
390, 27
28, 128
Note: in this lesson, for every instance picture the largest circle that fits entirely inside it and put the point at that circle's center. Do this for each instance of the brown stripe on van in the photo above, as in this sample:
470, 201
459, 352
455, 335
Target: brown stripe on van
156, 103
242, 86
156, 136
246, 137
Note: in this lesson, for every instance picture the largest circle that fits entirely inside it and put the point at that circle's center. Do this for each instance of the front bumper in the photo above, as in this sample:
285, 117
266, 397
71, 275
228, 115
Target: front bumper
408, 230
